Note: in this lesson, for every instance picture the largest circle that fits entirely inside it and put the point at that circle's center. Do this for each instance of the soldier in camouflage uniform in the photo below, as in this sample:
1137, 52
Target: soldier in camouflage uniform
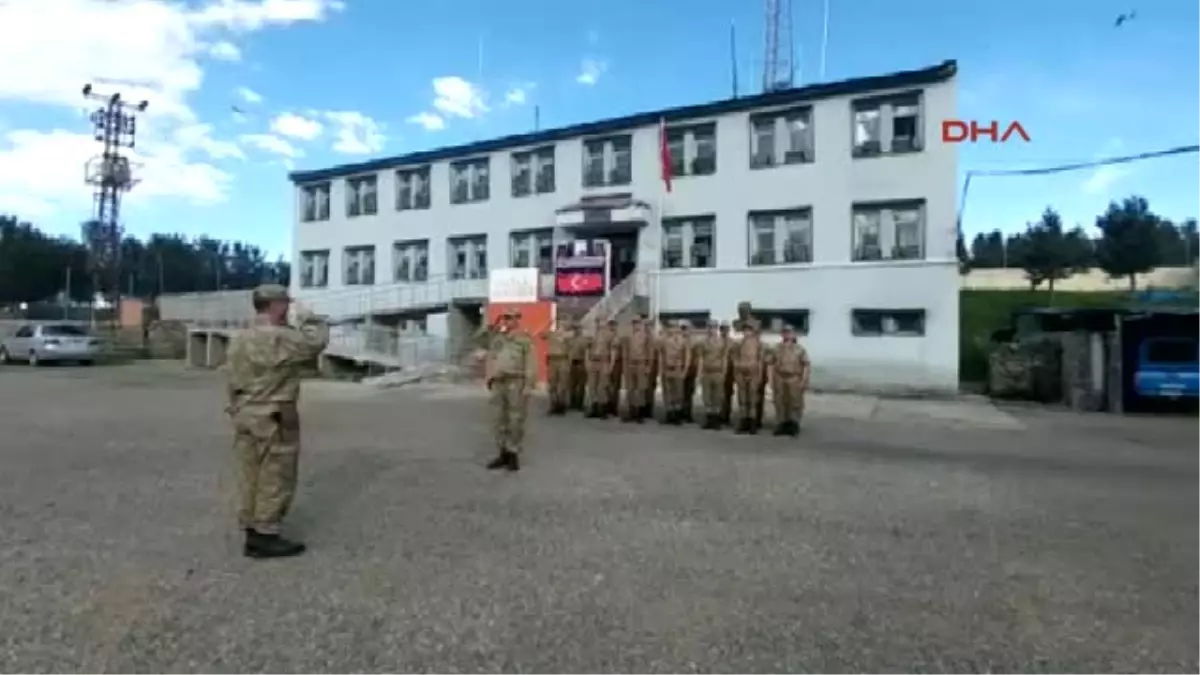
689, 380
558, 368
264, 368
577, 349
511, 378
713, 366
599, 365
749, 371
674, 354
790, 369
615, 370
726, 416
637, 360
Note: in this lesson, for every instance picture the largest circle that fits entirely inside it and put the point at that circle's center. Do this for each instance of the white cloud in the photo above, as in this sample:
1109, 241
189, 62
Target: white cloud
249, 95
356, 133
273, 144
1104, 177
590, 71
517, 94
146, 49
457, 97
295, 126
428, 120
225, 51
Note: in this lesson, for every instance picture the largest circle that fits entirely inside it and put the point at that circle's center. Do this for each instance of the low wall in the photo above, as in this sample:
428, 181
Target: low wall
1092, 281
217, 307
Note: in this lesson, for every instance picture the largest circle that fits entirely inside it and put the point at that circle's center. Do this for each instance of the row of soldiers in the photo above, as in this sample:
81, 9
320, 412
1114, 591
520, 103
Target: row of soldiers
590, 373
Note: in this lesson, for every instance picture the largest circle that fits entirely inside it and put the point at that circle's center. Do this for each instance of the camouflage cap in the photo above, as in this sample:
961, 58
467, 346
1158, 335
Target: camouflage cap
269, 292
788, 328
636, 319
611, 322
724, 325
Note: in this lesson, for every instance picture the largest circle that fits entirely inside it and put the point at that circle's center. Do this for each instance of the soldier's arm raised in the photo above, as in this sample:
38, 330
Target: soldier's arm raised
305, 342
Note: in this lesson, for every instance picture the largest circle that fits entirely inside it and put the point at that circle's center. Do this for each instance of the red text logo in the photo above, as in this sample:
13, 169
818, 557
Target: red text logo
969, 131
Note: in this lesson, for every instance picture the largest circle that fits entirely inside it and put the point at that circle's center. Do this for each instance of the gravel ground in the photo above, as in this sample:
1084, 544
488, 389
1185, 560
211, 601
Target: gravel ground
1069, 546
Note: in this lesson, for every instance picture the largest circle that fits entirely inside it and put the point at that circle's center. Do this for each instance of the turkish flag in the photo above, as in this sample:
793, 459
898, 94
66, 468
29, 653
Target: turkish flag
579, 282
664, 153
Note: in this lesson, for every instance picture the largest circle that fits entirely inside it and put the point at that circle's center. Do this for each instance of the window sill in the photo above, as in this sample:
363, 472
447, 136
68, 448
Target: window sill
889, 153
889, 261
907, 336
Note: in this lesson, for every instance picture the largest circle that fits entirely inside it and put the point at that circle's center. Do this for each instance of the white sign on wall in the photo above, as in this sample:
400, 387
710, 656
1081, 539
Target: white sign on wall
513, 284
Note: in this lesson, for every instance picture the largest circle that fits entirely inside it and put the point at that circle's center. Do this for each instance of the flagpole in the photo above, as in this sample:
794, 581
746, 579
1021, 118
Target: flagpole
824, 39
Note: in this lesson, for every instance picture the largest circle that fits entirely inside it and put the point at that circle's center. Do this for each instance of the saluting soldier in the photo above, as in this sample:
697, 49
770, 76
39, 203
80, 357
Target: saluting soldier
790, 370
616, 369
264, 367
577, 349
749, 369
727, 391
712, 366
689, 380
511, 377
673, 355
637, 360
558, 367
599, 365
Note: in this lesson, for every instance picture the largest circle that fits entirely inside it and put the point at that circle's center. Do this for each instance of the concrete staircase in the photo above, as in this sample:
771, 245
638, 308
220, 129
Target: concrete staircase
629, 298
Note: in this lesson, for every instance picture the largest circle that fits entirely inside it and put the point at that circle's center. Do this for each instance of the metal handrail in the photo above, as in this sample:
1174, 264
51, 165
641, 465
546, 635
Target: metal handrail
616, 300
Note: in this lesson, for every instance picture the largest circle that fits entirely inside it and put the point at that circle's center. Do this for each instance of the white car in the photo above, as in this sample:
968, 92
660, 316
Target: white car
38, 343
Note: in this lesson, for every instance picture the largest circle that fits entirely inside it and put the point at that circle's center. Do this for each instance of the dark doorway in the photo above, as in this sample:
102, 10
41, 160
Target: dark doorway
623, 261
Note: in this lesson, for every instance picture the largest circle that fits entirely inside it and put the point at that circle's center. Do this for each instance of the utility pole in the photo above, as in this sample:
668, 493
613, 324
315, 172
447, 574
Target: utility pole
110, 174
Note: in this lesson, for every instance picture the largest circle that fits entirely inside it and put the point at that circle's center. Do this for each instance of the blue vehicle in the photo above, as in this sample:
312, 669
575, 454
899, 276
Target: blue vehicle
1168, 367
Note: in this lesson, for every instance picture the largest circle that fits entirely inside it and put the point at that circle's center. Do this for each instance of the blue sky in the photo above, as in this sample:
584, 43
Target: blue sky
359, 70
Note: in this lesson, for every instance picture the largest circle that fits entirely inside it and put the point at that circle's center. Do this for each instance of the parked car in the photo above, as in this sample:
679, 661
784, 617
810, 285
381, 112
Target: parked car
38, 343
1168, 367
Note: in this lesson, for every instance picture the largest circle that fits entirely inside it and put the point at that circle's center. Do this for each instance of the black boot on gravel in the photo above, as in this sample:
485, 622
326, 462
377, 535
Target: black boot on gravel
264, 546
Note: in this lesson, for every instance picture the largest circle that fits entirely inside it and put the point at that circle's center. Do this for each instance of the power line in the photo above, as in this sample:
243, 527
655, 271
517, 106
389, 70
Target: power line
1063, 168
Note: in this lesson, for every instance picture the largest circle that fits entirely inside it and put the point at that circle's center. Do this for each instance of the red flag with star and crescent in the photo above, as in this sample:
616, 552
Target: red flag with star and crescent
664, 153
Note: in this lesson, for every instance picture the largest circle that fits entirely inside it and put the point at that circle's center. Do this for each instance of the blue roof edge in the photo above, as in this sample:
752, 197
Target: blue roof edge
861, 85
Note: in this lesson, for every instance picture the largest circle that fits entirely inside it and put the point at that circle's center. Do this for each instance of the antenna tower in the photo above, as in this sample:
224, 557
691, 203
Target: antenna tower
110, 174
779, 68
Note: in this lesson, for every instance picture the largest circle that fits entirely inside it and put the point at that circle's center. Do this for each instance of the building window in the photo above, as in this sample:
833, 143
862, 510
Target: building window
887, 125
693, 150
314, 269
412, 189
470, 181
533, 172
607, 162
889, 231
893, 322
358, 266
362, 196
773, 320
316, 202
688, 242
783, 137
532, 248
410, 260
468, 257
781, 237
693, 319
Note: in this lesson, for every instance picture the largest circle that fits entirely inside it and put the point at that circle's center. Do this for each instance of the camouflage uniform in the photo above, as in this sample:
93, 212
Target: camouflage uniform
558, 368
713, 366
615, 371
655, 335
689, 380
790, 367
674, 354
726, 416
511, 378
264, 367
599, 365
637, 360
749, 371
577, 349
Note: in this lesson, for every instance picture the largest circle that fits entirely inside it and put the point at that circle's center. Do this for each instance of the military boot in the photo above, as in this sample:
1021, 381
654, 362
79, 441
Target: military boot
513, 462
500, 462
743, 426
793, 428
782, 429
264, 546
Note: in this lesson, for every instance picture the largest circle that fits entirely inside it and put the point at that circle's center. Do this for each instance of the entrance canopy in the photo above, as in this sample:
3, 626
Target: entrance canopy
603, 211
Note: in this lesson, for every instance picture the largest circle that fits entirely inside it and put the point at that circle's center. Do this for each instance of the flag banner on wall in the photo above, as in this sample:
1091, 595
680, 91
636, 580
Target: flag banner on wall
579, 282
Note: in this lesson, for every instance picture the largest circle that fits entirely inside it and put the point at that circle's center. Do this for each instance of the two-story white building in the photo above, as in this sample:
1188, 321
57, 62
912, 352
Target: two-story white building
831, 207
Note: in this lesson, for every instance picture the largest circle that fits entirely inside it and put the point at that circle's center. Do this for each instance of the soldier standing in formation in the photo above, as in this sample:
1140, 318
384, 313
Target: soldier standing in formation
689, 380
511, 377
654, 333
790, 369
713, 366
265, 363
599, 365
577, 350
727, 392
616, 370
673, 356
749, 369
637, 359
558, 366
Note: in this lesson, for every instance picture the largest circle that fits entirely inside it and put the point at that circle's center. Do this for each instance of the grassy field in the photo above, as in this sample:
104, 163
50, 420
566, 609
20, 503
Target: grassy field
982, 312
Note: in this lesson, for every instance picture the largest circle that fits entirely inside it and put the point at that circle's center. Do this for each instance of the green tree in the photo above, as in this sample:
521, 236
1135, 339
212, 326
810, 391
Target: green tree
1129, 239
1050, 254
987, 250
